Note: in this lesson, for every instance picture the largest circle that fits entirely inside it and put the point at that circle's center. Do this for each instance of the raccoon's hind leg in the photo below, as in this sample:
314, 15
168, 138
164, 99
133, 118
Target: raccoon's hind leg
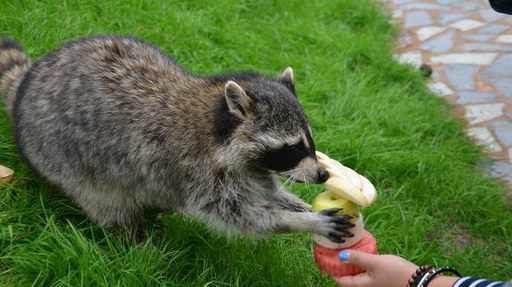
108, 206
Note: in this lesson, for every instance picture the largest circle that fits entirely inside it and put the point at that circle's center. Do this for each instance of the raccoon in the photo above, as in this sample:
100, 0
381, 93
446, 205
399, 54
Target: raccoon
122, 129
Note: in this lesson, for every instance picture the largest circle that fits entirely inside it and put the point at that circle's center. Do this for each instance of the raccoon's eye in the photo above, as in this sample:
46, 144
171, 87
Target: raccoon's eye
284, 158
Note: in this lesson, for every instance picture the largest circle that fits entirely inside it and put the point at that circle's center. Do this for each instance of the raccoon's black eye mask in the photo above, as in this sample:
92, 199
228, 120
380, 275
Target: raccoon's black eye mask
284, 158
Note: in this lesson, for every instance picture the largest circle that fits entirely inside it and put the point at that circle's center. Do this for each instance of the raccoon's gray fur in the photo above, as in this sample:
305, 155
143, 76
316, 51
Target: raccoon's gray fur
119, 127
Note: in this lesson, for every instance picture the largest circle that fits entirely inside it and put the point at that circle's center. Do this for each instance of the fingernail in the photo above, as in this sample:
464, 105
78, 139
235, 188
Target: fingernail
344, 255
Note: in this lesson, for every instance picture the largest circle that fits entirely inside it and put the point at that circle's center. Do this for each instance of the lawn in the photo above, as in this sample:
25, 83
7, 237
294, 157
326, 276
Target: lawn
366, 110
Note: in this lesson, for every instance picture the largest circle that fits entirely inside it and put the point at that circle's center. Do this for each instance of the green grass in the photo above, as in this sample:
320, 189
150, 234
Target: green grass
367, 111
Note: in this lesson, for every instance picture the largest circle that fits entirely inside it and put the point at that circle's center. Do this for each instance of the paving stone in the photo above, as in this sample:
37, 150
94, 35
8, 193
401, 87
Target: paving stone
461, 76
405, 40
440, 89
494, 29
501, 67
472, 47
504, 134
474, 97
490, 15
469, 5
422, 6
401, 1
447, 18
465, 58
499, 170
461, 68
412, 58
483, 112
439, 44
504, 39
466, 24
500, 123
426, 32
503, 85
397, 14
417, 18
483, 136
478, 37
436, 75
445, 2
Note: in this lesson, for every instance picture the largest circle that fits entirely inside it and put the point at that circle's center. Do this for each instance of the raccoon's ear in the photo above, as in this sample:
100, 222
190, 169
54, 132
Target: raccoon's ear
238, 101
287, 79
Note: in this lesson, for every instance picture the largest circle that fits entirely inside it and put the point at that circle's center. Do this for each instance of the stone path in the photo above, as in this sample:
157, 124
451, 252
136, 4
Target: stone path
469, 47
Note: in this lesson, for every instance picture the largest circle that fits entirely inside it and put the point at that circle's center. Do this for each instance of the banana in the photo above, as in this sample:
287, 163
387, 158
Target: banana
346, 182
341, 185
5, 175
349, 185
369, 190
338, 169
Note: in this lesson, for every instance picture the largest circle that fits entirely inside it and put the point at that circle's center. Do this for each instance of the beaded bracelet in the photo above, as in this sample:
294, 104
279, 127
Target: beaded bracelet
418, 274
428, 276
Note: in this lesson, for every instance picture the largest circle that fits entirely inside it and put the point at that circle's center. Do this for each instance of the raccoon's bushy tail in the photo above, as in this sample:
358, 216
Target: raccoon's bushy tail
14, 64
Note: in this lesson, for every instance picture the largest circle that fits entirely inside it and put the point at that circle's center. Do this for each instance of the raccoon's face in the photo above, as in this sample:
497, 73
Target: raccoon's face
273, 133
291, 156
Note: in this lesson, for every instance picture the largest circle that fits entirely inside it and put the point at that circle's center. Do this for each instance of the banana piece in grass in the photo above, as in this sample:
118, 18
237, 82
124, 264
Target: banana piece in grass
346, 182
6, 175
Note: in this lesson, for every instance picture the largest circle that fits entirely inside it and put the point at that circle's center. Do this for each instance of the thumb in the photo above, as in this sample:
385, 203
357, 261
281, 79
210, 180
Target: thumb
360, 259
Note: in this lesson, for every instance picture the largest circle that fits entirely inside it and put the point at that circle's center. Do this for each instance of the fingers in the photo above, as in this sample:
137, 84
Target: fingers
336, 218
331, 212
337, 234
360, 259
335, 239
342, 219
359, 280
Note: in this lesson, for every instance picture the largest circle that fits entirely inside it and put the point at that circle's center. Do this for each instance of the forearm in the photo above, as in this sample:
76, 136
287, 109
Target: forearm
443, 281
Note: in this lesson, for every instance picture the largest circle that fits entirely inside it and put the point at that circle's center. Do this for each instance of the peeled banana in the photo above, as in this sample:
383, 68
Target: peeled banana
347, 183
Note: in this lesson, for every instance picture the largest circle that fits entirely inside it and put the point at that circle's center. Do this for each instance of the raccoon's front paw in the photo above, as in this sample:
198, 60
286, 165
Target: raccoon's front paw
291, 202
298, 207
306, 208
334, 226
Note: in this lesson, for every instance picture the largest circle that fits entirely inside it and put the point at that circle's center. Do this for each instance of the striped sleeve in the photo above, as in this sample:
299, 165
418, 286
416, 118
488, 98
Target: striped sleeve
476, 282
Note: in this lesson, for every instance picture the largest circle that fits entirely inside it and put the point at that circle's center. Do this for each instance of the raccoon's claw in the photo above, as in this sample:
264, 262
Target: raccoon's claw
342, 233
341, 219
335, 238
337, 234
330, 211
335, 225
336, 218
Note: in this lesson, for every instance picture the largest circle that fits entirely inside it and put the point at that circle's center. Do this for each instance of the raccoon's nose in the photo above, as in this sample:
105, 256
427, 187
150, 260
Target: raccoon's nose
323, 175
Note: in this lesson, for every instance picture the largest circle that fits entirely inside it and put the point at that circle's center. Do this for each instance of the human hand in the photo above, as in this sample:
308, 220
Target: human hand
381, 270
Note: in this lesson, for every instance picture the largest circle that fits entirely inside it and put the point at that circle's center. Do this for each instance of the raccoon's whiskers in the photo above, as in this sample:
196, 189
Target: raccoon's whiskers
289, 181
286, 181
307, 183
